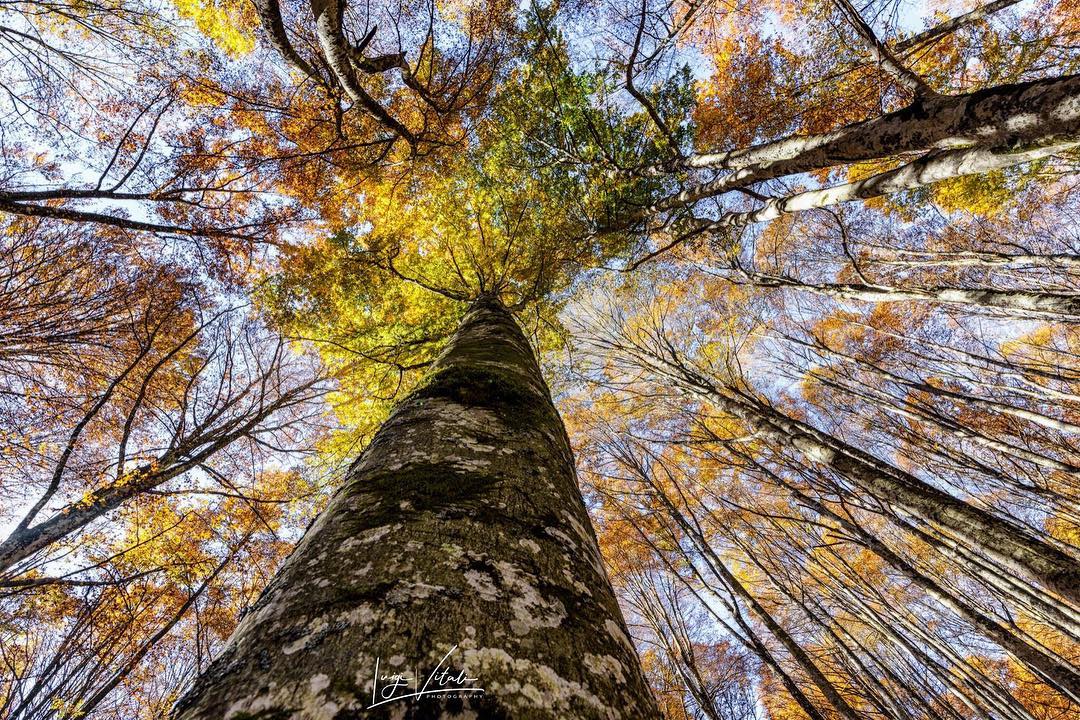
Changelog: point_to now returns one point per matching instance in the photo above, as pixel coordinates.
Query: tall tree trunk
(999, 116)
(1009, 544)
(1014, 303)
(461, 526)
(1006, 542)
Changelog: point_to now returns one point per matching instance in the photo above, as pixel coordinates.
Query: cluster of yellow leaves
(477, 18)
(986, 194)
(229, 23)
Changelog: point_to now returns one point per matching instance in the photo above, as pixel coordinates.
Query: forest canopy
(803, 279)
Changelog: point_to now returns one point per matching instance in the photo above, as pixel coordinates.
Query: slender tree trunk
(756, 645)
(1053, 670)
(999, 116)
(834, 697)
(961, 397)
(87, 706)
(459, 534)
(25, 541)
(667, 624)
(1010, 367)
(749, 639)
(922, 413)
(1007, 302)
(931, 168)
(734, 586)
(978, 258)
(952, 25)
(1006, 542)
(1049, 610)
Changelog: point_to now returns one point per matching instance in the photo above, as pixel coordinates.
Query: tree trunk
(930, 168)
(460, 540)
(1009, 544)
(1002, 116)
(719, 569)
(1053, 670)
(1014, 303)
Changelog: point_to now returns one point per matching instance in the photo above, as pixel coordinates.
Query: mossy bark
(460, 525)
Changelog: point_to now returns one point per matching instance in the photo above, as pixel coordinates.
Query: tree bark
(928, 169)
(460, 533)
(952, 25)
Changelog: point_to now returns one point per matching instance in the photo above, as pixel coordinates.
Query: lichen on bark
(460, 525)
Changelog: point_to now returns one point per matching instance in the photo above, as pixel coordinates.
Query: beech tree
(477, 457)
